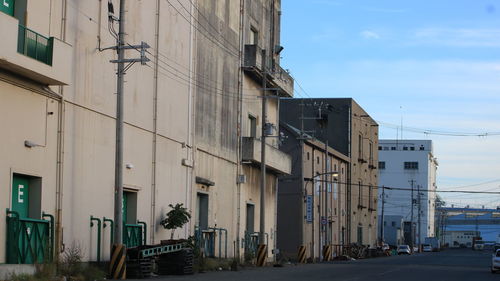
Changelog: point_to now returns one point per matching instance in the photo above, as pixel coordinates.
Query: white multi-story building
(408, 169)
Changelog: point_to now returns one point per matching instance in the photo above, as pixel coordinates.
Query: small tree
(176, 218)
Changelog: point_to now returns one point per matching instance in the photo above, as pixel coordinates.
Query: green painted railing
(28, 240)
(251, 242)
(35, 45)
(205, 240)
(133, 235)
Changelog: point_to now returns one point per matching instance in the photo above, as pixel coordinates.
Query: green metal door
(125, 207)
(20, 195)
(7, 6)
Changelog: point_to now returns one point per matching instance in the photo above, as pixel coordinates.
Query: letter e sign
(20, 194)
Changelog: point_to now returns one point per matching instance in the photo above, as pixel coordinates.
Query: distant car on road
(426, 248)
(404, 249)
(495, 261)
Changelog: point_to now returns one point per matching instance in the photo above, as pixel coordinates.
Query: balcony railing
(35, 45)
(277, 76)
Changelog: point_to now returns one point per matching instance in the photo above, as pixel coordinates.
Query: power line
(438, 132)
(409, 189)
(213, 40)
(209, 23)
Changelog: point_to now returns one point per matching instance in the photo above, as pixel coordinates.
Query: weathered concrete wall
(180, 118)
(364, 205)
(35, 118)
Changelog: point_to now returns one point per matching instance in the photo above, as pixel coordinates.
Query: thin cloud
(457, 37)
(368, 34)
(327, 2)
(383, 10)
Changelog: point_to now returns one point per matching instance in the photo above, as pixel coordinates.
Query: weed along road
(453, 265)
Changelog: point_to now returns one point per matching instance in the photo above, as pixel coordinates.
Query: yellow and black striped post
(327, 253)
(118, 265)
(261, 255)
(302, 254)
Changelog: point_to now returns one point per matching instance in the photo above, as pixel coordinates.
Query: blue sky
(433, 64)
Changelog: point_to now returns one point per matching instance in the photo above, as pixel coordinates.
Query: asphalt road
(453, 265)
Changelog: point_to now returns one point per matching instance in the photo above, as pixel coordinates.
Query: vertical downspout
(275, 232)
(313, 245)
(190, 138)
(349, 180)
(155, 126)
(60, 150)
(303, 191)
(239, 169)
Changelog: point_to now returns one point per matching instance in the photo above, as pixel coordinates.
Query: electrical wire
(438, 132)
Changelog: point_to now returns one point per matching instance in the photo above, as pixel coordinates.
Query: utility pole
(118, 234)
(382, 215)
(412, 233)
(117, 268)
(262, 251)
(419, 218)
(325, 186)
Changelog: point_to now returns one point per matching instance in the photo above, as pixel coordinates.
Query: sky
(433, 66)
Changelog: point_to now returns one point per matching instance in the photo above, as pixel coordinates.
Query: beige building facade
(311, 201)
(345, 126)
(188, 135)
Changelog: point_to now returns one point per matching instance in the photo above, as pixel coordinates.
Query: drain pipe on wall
(60, 151)
(190, 151)
(152, 223)
(239, 169)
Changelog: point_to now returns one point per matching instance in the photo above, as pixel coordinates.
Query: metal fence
(35, 45)
(210, 240)
(133, 235)
(29, 240)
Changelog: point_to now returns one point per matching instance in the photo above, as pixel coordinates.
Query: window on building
(381, 165)
(317, 159)
(371, 152)
(411, 165)
(393, 148)
(360, 194)
(370, 197)
(393, 224)
(252, 126)
(308, 156)
(422, 147)
(412, 148)
(254, 36)
(379, 148)
(405, 147)
(360, 146)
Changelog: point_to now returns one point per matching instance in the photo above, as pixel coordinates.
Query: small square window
(379, 148)
(405, 147)
(393, 148)
(412, 148)
(411, 165)
(381, 165)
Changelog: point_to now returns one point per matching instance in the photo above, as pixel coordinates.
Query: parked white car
(495, 261)
(404, 249)
(426, 248)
